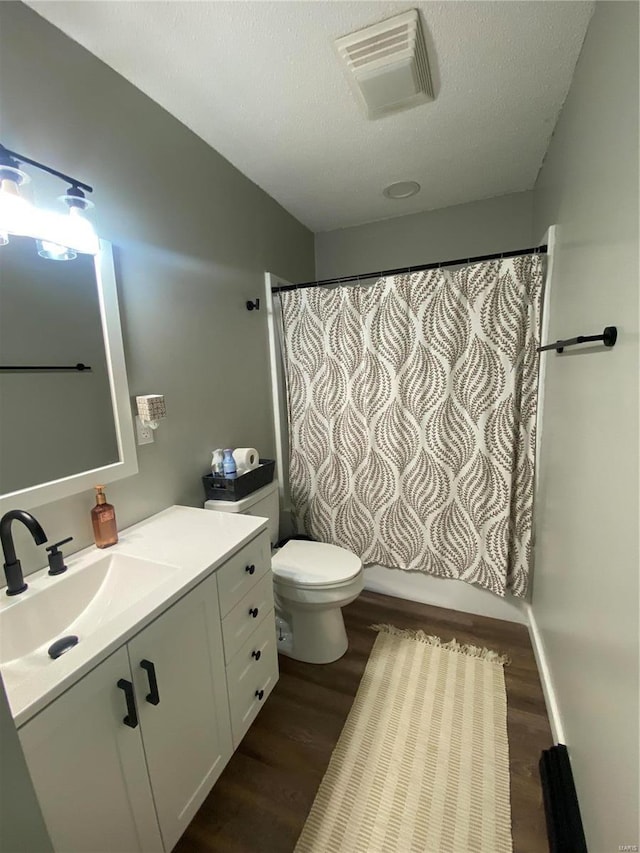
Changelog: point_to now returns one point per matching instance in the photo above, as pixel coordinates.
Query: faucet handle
(56, 558)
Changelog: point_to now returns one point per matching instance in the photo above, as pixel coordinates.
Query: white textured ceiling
(261, 83)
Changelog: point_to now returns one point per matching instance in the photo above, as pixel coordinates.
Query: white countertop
(194, 541)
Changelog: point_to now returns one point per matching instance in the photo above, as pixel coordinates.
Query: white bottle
(216, 463)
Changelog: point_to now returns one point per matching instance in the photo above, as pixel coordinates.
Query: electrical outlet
(144, 433)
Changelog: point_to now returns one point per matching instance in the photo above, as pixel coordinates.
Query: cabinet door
(88, 767)
(178, 670)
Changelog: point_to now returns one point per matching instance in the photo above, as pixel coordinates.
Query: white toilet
(312, 581)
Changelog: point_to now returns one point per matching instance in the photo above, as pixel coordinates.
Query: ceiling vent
(387, 65)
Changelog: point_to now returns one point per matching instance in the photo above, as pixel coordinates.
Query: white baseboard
(550, 698)
(444, 592)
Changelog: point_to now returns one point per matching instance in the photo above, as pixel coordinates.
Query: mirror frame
(46, 493)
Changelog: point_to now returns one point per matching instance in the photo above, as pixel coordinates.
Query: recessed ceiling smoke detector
(387, 64)
(401, 189)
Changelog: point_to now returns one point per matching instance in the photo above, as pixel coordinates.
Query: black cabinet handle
(131, 719)
(153, 697)
(253, 611)
(250, 569)
(259, 694)
(257, 655)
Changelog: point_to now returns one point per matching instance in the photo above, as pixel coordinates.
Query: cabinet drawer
(236, 577)
(252, 657)
(242, 621)
(250, 681)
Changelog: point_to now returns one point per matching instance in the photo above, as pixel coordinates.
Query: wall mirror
(61, 429)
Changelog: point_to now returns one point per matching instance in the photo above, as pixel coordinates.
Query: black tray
(218, 488)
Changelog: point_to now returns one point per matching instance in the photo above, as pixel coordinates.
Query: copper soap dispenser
(103, 519)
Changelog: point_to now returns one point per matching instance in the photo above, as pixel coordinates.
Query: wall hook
(251, 305)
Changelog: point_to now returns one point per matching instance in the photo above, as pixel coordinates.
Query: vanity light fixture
(58, 236)
(151, 409)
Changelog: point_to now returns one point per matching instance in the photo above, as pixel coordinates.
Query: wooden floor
(261, 801)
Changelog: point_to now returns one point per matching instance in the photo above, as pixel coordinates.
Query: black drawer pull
(259, 694)
(257, 655)
(253, 611)
(250, 569)
(131, 719)
(153, 697)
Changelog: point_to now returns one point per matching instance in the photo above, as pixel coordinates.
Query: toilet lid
(305, 563)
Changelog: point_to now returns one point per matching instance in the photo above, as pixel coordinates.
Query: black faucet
(12, 567)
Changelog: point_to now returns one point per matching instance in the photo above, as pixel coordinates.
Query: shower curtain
(412, 416)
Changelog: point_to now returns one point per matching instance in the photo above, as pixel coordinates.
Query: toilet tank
(264, 503)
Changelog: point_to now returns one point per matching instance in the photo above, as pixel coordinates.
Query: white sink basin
(81, 602)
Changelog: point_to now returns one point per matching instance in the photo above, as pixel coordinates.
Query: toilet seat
(314, 564)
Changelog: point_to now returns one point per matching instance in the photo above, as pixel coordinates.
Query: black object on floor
(564, 824)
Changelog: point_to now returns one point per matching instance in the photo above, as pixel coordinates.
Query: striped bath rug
(422, 764)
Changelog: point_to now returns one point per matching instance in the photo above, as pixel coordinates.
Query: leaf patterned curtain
(412, 416)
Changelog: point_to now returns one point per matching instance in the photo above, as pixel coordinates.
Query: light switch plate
(144, 433)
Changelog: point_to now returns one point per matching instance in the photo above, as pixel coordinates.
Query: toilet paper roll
(246, 459)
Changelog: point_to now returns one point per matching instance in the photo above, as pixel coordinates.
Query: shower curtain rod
(536, 250)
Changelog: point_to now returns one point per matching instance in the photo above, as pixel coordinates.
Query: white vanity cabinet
(124, 758)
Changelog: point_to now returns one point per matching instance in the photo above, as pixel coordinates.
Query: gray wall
(585, 592)
(478, 228)
(192, 240)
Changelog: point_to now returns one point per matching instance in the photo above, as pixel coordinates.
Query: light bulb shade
(79, 233)
(55, 252)
(76, 202)
(74, 232)
(12, 178)
(17, 216)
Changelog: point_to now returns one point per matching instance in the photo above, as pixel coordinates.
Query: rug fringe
(453, 645)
